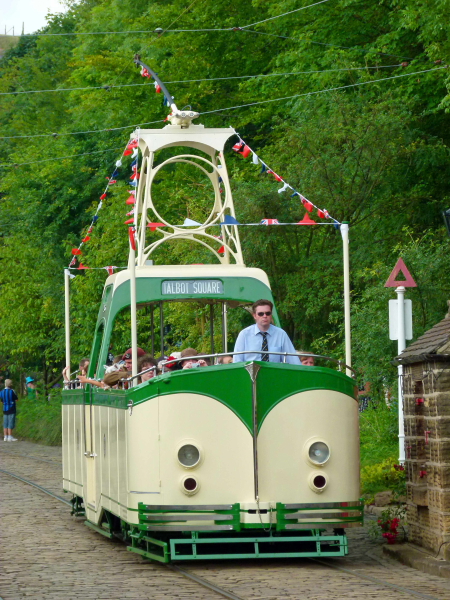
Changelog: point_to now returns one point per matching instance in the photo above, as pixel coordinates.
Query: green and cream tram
(249, 459)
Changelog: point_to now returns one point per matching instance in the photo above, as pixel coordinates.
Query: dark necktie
(264, 346)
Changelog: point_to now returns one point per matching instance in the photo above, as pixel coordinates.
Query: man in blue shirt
(263, 336)
(9, 398)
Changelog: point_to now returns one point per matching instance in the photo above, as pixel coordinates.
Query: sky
(31, 12)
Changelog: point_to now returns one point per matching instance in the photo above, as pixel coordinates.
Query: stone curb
(421, 560)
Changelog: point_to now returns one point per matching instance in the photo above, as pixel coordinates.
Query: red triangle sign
(408, 282)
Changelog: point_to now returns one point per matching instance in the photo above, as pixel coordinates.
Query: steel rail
(175, 569)
(398, 588)
(38, 487)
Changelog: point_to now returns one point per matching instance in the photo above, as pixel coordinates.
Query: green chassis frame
(156, 537)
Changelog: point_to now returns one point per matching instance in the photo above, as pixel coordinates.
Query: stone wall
(426, 400)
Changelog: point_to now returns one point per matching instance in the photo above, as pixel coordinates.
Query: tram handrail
(163, 364)
(341, 364)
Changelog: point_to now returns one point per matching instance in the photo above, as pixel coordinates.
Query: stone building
(426, 401)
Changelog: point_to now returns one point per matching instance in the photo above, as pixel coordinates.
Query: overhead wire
(234, 107)
(120, 85)
(33, 162)
(342, 87)
(56, 135)
(284, 14)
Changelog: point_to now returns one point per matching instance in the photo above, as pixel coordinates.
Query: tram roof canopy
(188, 272)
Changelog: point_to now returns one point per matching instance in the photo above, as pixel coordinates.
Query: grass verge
(39, 420)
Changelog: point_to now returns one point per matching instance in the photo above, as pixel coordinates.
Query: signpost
(400, 329)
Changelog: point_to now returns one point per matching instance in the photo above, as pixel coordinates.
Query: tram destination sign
(192, 287)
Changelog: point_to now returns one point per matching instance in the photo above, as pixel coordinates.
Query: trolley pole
(67, 315)
(346, 262)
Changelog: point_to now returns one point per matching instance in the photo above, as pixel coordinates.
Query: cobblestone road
(46, 554)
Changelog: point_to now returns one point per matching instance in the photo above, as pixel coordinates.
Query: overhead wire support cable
(284, 14)
(33, 162)
(342, 87)
(120, 85)
(56, 134)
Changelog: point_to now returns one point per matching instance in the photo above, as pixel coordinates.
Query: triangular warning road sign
(400, 266)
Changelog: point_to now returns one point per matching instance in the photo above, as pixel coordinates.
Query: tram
(243, 460)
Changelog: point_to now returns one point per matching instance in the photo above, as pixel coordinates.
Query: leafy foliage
(375, 155)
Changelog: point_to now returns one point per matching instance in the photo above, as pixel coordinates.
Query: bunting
(241, 147)
(130, 149)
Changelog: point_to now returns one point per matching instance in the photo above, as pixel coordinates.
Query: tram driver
(258, 340)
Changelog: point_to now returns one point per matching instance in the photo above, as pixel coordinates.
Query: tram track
(210, 585)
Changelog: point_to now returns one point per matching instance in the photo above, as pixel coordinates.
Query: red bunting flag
(129, 222)
(127, 152)
(277, 177)
(110, 269)
(153, 226)
(103, 196)
(135, 176)
(306, 203)
(90, 229)
(131, 231)
(320, 213)
(306, 220)
(81, 266)
(133, 143)
(221, 250)
(72, 262)
(242, 148)
(145, 73)
(112, 181)
(270, 222)
(157, 88)
(131, 200)
(86, 239)
(76, 251)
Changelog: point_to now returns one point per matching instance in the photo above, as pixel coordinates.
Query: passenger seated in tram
(225, 360)
(191, 362)
(127, 357)
(147, 362)
(82, 370)
(308, 360)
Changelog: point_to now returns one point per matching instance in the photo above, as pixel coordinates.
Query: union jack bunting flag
(270, 222)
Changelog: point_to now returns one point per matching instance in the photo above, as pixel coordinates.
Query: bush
(39, 420)
(386, 475)
(378, 427)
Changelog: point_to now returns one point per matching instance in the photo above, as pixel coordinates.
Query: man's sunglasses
(261, 314)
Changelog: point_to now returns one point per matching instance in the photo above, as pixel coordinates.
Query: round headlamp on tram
(188, 456)
(319, 453)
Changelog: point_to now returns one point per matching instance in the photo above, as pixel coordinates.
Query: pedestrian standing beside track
(9, 398)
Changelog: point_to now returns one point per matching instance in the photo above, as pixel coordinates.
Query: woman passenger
(146, 362)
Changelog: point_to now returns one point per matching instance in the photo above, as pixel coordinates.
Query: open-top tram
(243, 460)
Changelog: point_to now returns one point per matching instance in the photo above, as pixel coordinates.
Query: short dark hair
(261, 303)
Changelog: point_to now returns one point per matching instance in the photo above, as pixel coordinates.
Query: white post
(401, 346)
(346, 261)
(132, 267)
(67, 315)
